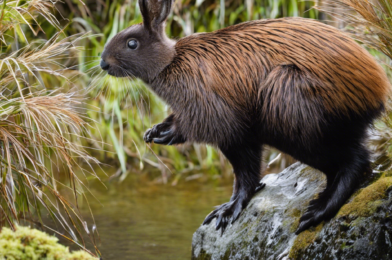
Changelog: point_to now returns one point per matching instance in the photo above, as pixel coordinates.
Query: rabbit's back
(291, 69)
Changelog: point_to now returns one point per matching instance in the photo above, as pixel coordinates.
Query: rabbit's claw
(312, 217)
(260, 187)
(163, 133)
(165, 137)
(225, 214)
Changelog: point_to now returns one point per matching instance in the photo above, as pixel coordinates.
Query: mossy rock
(304, 240)
(31, 244)
(265, 230)
(367, 200)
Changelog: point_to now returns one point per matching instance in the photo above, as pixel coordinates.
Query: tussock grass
(42, 122)
(369, 21)
(15, 14)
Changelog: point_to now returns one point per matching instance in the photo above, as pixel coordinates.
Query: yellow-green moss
(26, 243)
(294, 225)
(367, 200)
(303, 240)
(296, 214)
(388, 173)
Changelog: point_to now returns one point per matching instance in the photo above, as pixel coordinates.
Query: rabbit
(295, 84)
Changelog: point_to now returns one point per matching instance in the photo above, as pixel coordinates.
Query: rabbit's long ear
(155, 13)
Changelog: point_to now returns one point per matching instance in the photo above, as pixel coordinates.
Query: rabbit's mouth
(119, 73)
(113, 70)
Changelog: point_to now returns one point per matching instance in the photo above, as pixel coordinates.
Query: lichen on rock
(265, 230)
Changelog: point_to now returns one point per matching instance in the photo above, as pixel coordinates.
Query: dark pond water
(140, 220)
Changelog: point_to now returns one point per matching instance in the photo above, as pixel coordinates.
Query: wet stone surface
(359, 239)
(265, 230)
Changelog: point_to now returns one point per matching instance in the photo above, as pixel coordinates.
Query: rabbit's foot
(163, 133)
(226, 213)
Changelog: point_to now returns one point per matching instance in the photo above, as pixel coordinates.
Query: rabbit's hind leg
(340, 186)
(246, 162)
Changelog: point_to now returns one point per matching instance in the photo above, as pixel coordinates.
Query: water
(140, 220)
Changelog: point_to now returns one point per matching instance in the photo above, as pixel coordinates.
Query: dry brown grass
(42, 124)
(369, 21)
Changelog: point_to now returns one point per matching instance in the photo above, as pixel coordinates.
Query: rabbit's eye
(132, 44)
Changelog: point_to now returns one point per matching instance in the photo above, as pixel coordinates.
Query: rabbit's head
(142, 50)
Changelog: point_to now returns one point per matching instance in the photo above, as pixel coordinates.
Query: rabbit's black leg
(164, 133)
(340, 186)
(246, 162)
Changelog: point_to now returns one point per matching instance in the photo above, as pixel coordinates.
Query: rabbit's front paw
(149, 135)
(163, 134)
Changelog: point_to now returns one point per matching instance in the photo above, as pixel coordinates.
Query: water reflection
(140, 220)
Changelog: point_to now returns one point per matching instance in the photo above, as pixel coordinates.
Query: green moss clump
(296, 214)
(26, 243)
(294, 225)
(366, 202)
(388, 174)
(303, 240)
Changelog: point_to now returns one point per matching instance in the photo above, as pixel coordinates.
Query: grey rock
(265, 229)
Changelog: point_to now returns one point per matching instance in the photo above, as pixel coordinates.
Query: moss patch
(388, 174)
(294, 225)
(296, 214)
(26, 243)
(366, 202)
(203, 255)
(303, 240)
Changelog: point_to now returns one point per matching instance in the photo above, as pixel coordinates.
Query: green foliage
(30, 244)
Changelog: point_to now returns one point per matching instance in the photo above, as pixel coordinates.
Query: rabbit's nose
(104, 65)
